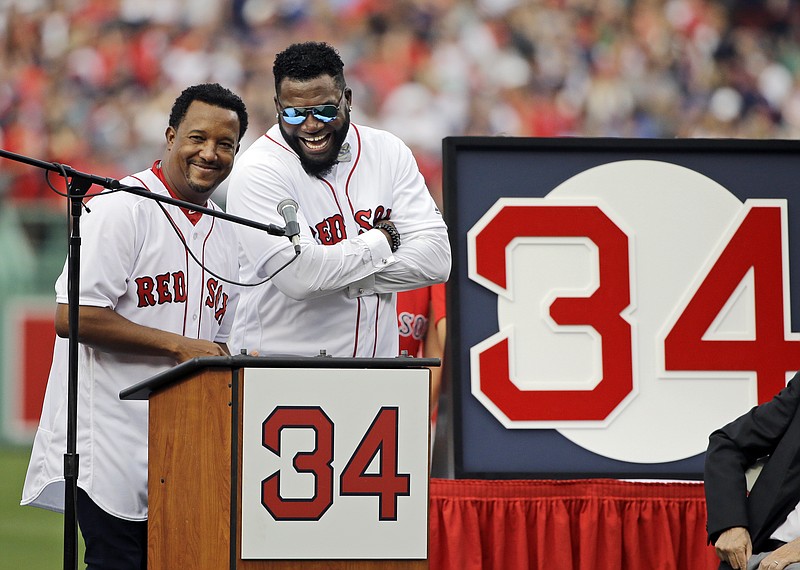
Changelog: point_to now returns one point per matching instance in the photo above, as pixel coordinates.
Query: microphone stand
(77, 187)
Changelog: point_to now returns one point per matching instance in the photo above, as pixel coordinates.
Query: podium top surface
(143, 389)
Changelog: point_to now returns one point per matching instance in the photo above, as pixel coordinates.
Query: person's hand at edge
(734, 547)
(781, 557)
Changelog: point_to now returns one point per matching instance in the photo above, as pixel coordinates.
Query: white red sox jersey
(133, 262)
(339, 294)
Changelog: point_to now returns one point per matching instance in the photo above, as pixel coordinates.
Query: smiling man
(195, 166)
(145, 305)
(317, 149)
(369, 227)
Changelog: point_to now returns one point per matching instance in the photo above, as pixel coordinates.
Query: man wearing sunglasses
(369, 227)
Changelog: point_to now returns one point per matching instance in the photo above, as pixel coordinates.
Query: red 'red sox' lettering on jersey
(362, 217)
(217, 299)
(164, 288)
(171, 288)
(332, 230)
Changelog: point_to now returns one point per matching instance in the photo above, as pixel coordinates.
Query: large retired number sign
(637, 295)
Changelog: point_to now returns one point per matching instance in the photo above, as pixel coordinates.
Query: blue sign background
(478, 171)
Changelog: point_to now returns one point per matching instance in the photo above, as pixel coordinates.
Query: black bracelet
(392, 231)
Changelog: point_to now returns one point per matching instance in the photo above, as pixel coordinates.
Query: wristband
(394, 235)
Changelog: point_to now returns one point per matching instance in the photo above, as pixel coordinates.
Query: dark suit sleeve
(733, 448)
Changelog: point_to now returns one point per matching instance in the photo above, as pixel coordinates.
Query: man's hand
(782, 557)
(104, 329)
(735, 547)
(192, 348)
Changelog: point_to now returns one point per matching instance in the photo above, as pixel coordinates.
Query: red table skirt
(593, 524)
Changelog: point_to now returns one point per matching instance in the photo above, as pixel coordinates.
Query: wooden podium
(197, 465)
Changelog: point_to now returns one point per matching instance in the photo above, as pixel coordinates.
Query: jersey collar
(193, 215)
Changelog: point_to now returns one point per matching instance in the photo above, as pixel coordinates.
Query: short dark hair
(213, 94)
(306, 61)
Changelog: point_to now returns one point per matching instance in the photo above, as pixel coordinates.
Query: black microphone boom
(63, 170)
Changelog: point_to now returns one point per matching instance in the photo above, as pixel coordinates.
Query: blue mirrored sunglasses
(323, 113)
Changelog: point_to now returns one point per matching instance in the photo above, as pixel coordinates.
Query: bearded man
(368, 225)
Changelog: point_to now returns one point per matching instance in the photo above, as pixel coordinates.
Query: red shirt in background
(414, 309)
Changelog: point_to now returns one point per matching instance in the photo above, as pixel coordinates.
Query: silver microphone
(288, 210)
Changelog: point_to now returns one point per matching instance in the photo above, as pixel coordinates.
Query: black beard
(319, 169)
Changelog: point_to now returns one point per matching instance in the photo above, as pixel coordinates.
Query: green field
(30, 538)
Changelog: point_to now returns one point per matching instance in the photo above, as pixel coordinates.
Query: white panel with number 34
(335, 464)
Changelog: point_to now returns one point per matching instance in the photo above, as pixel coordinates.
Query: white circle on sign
(676, 218)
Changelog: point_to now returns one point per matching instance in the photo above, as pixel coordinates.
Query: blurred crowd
(88, 83)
